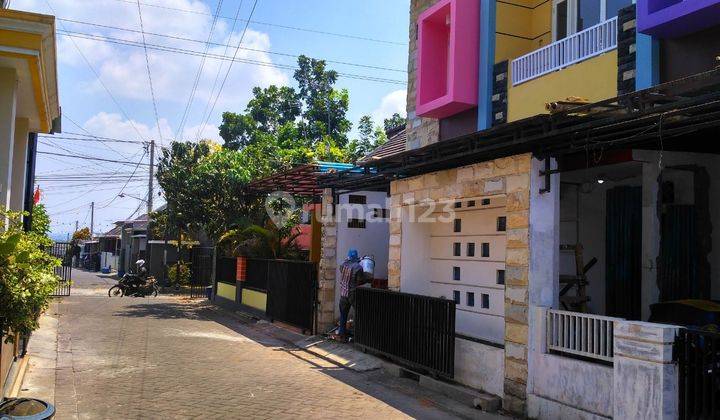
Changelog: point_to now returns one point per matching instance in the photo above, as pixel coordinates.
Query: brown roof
(394, 145)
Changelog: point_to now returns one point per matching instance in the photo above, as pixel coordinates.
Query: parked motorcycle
(135, 284)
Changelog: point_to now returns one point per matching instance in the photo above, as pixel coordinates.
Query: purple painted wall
(675, 18)
(448, 48)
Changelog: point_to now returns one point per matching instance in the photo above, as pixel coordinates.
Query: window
(458, 204)
(588, 14)
(470, 299)
(485, 304)
(500, 278)
(485, 250)
(501, 224)
(471, 249)
(485, 202)
(457, 226)
(356, 224)
(572, 16)
(471, 203)
(456, 296)
(380, 213)
(456, 273)
(456, 249)
(357, 199)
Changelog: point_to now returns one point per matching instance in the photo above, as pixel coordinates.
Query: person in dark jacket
(351, 276)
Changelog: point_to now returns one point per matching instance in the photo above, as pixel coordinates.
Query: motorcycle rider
(138, 280)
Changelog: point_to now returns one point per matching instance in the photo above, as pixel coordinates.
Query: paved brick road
(173, 358)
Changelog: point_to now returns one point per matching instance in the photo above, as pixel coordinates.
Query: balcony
(575, 48)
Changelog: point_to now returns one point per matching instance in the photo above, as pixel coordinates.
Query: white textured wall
(373, 240)
(479, 366)
(581, 385)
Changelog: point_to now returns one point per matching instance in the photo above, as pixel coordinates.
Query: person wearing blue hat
(351, 276)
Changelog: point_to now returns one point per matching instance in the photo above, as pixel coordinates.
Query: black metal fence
(257, 274)
(415, 330)
(63, 251)
(226, 270)
(291, 291)
(698, 354)
(201, 270)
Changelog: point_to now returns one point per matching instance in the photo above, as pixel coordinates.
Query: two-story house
(574, 140)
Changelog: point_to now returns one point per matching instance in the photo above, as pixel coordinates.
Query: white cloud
(393, 102)
(122, 68)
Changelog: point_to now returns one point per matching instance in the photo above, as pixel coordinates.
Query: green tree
(394, 122)
(175, 175)
(81, 235)
(274, 111)
(370, 136)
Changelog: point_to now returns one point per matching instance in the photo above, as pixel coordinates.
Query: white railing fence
(580, 334)
(580, 46)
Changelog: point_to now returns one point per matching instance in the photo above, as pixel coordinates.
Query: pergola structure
(301, 180)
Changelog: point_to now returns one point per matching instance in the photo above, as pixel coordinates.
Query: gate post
(328, 264)
(646, 378)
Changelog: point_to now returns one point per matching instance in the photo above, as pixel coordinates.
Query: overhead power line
(198, 74)
(97, 76)
(220, 44)
(90, 139)
(275, 25)
(93, 158)
(147, 65)
(107, 146)
(222, 85)
(120, 41)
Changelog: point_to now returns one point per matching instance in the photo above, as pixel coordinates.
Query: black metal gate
(63, 251)
(201, 270)
(291, 292)
(698, 355)
(415, 330)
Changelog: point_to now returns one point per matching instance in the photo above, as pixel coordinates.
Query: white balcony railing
(580, 334)
(585, 44)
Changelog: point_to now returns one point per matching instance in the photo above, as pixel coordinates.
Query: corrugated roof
(394, 145)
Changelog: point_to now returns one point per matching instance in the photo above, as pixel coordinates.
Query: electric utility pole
(76, 226)
(151, 178)
(92, 218)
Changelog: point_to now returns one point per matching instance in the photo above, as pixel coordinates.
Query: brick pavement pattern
(170, 358)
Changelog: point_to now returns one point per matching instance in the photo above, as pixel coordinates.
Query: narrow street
(170, 357)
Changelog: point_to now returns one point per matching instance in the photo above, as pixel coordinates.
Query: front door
(623, 250)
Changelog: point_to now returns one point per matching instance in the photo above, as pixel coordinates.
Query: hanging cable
(147, 65)
(222, 85)
(97, 75)
(191, 98)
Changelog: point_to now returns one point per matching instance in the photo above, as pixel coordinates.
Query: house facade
(28, 106)
(558, 185)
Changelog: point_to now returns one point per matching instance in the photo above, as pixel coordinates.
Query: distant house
(133, 242)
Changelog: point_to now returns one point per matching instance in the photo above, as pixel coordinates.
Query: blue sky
(122, 71)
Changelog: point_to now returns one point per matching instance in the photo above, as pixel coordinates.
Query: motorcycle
(139, 285)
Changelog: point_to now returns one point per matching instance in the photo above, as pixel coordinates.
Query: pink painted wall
(448, 48)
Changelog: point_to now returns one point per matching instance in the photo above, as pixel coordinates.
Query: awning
(300, 180)
(655, 118)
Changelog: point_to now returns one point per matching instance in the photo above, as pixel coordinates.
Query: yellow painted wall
(521, 26)
(254, 299)
(226, 291)
(594, 79)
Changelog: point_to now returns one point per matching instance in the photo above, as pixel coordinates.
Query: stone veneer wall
(506, 175)
(327, 265)
(420, 131)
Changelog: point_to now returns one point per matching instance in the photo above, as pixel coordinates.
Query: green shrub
(184, 273)
(27, 278)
